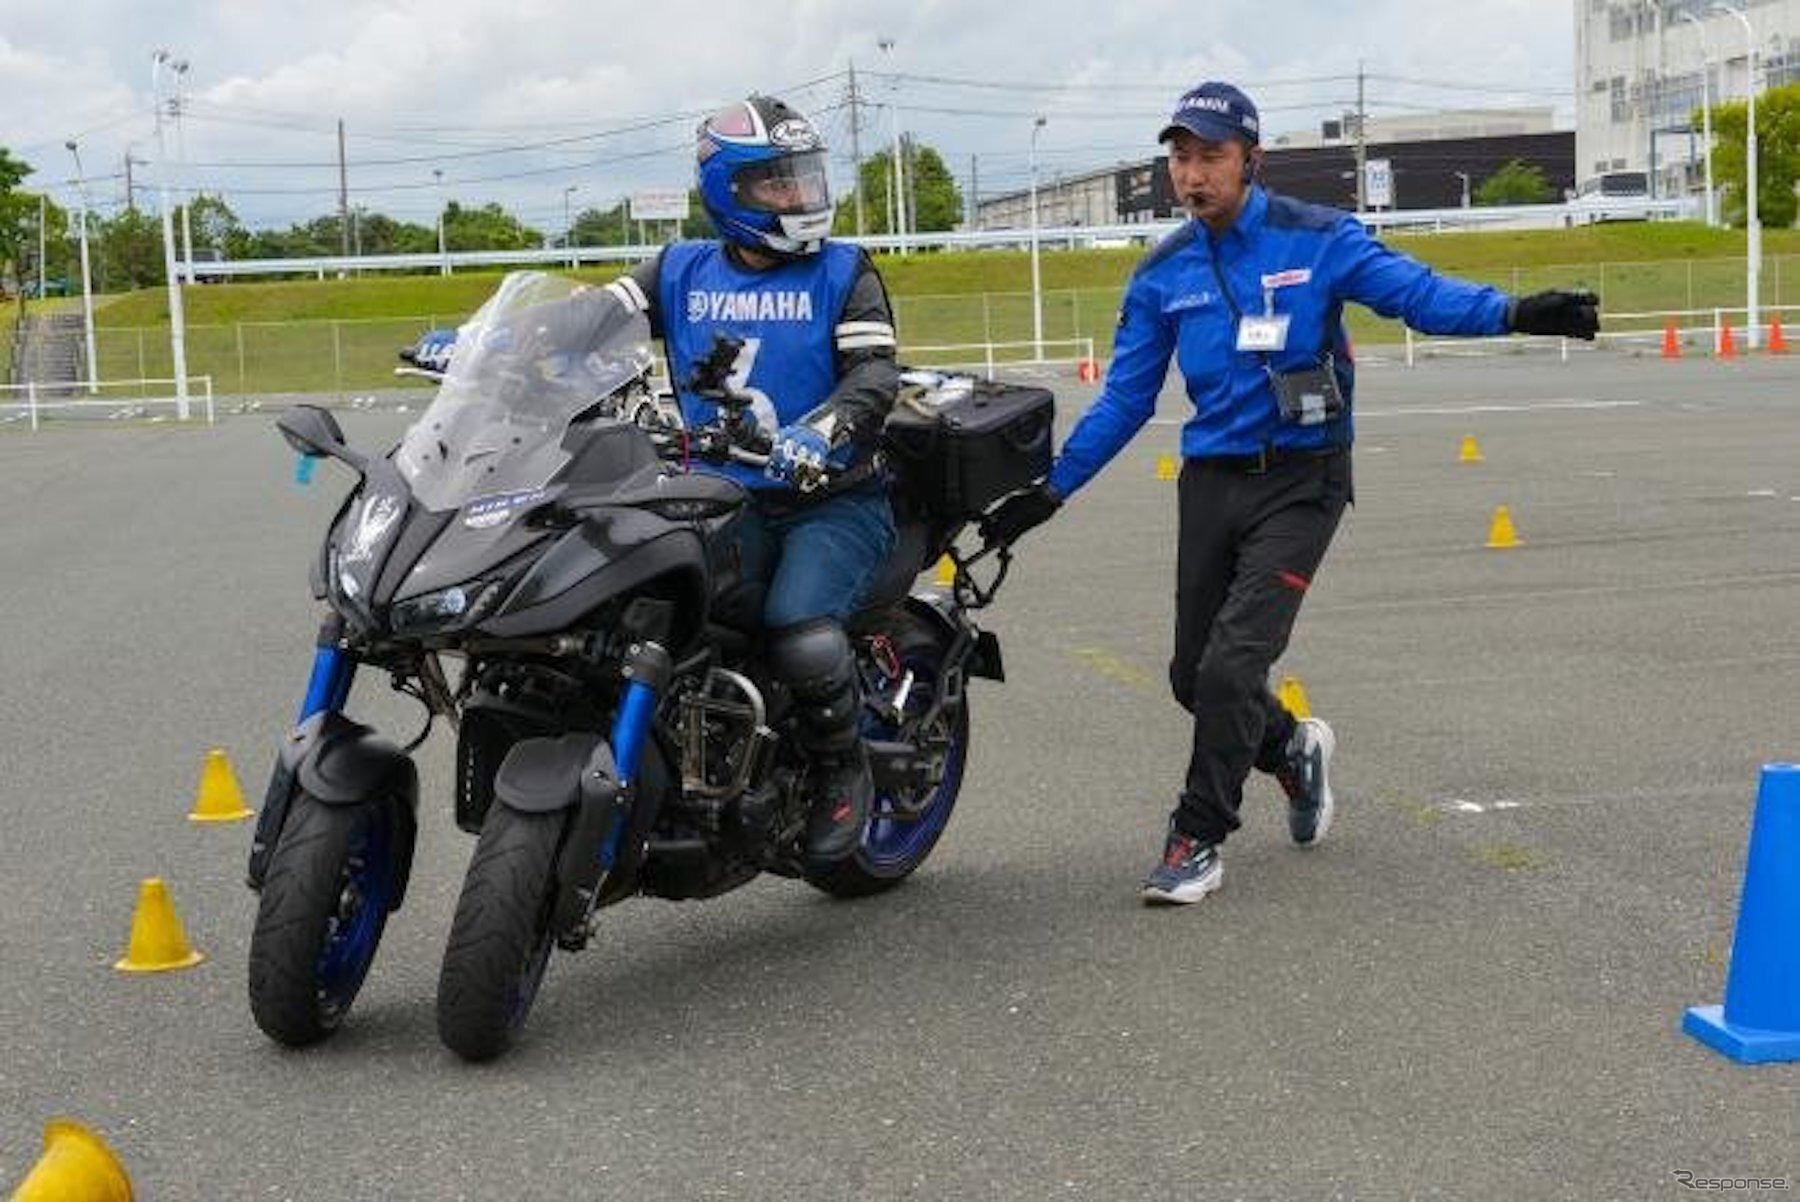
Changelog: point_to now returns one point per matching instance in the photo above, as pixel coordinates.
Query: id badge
(1265, 335)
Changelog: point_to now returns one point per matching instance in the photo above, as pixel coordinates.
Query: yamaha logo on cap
(1216, 112)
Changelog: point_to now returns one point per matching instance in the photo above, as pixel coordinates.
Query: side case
(961, 446)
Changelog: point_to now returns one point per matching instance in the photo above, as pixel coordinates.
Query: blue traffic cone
(303, 470)
(1760, 1020)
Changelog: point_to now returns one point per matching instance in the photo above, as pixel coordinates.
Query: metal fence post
(1409, 345)
(337, 358)
(987, 324)
(243, 379)
(143, 372)
(31, 402)
(1075, 311)
(1690, 284)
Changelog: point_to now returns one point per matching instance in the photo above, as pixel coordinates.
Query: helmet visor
(791, 184)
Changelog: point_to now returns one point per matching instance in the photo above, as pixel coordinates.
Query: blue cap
(1216, 112)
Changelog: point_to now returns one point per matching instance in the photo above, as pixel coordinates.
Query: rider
(818, 362)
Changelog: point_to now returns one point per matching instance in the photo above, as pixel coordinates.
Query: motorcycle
(555, 578)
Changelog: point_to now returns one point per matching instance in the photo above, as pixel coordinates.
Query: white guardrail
(1712, 324)
(1436, 220)
(131, 399)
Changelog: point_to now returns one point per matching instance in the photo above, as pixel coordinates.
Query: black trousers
(1250, 543)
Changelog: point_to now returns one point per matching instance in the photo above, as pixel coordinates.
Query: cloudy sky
(517, 102)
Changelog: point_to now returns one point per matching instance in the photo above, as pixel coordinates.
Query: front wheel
(903, 828)
(319, 919)
(500, 938)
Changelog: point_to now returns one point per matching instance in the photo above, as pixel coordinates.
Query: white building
(1638, 71)
(1444, 124)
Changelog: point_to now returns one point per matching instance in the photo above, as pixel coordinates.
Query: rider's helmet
(761, 174)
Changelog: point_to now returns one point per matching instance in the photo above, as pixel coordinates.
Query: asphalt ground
(1547, 762)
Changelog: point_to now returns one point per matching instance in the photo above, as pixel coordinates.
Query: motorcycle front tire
(500, 939)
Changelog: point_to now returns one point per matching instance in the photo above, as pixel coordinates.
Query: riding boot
(814, 659)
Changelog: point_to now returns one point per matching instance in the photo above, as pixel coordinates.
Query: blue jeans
(818, 561)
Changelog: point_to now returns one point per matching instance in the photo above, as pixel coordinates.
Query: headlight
(445, 607)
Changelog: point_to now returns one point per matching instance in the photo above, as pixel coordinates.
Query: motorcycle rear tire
(320, 917)
(890, 852)
(500, 938)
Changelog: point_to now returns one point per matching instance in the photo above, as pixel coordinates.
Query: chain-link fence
(350, 358)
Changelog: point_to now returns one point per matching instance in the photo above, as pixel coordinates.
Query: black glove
(1018, 512)
(1570, 314)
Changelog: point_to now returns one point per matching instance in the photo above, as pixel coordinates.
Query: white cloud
(423, 78)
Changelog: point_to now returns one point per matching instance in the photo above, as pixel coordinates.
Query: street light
(437, 173)
(1706, 61)
(87, 288)
(1037, 290)
(1753, 251)
(187, 203)
(568, 225)
(177, 319)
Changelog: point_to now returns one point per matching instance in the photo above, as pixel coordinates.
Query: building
(1639, 66)
(1431, 172)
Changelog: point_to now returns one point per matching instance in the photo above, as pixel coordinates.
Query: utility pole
(343, 195)
(856, 192)
(177, 320)
(1362, 144)
(43, 247)
(130, 196)
(974, 217)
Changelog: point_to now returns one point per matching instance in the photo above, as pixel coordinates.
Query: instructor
(1248, 297)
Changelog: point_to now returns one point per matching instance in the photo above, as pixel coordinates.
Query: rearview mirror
(311, 430)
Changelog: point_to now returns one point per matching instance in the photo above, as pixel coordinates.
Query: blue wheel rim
(893, 844)
(365, 892)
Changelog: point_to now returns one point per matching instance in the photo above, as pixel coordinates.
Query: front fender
(984, 653)
(339, 762)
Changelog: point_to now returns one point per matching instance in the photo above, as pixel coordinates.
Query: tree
(488, 228)
(18, 218)
(934, 200)
(130, 250)
(1515, 183)
(1777, 155)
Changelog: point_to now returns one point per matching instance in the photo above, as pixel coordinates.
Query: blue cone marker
(303, 470)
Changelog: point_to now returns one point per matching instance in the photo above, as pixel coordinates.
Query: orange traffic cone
(1671, 342)
(1727, 345)
(1777, 344)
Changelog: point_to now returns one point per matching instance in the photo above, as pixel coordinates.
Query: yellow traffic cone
(1502, 535)
(158, 944)
(219, 799)
(1471, 450)
(1292, 695)
(1166, 468)
(946, 572)
(76, 1166)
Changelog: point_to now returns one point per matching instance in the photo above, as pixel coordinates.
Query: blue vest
(785, 316)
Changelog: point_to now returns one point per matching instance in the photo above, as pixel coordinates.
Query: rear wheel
(320, 916)
(904, 826)
(500, 938)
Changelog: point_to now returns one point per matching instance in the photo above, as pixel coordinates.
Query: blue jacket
(1299, 259)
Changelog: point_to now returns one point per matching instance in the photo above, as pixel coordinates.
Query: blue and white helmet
(760, 168)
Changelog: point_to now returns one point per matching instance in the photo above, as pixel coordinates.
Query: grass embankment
(341, 334)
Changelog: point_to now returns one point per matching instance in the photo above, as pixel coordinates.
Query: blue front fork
(647, 671)
(333, 672)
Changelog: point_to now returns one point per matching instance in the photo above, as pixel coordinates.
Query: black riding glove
(1570, 314)
(1019, 512)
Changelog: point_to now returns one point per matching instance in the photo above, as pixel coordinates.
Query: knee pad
(815, 660)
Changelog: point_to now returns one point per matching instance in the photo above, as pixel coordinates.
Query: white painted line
(1762, 492)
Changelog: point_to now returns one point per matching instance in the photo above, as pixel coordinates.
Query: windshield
(540, 351)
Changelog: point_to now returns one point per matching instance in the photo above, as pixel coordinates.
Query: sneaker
(1189, 871)
(1306, 779)
(841, 803)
